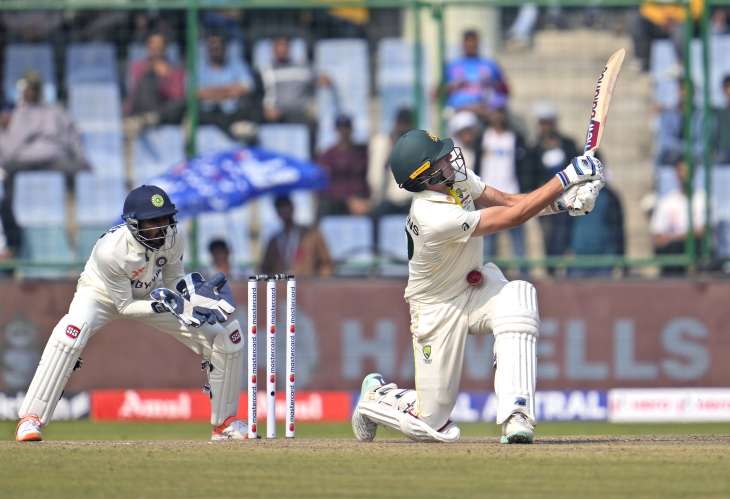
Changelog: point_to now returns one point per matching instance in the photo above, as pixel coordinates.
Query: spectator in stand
(289, 87)
(346, 164)
(551, 152)
(35, 136)
(503, 167)
(722, 126)
(465, 130)
(670, 223)
(670, 130)
(599, 233)
(296, 249)
(157, 89)
(226, 90)
(387, 198)
(220, 260)
(657, 20)
(472, 80)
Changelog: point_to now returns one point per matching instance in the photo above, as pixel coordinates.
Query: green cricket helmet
(414, 161)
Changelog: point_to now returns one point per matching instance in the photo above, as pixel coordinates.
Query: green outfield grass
(83, 459)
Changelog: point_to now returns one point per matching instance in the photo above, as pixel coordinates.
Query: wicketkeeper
(451, 293)
(141, 255)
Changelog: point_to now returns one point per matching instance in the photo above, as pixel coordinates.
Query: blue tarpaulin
(223, 180)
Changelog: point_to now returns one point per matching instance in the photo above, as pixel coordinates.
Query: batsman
(452, 294)
(135, 271)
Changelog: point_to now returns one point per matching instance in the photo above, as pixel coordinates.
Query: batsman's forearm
(538, 200)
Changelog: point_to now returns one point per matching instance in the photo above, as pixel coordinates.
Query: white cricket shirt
(123, 272)
(441, 249)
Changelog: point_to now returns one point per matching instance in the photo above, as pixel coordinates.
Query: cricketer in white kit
(135, 271)
(451, 293)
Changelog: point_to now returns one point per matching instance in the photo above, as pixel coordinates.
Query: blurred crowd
(237, 97)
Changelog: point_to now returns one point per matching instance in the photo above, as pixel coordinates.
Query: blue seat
(263, 52)
(155, 151)
(23, 57)
(96, 107)
(393, 245)
(211, 139)
(99, 200)
(293, 140)
(94, 62)
(345, 62)
(394, 76)
(40, 209)
(288, 139)
(232, 227)
(349, 240)
(719, 68)
(105, 152)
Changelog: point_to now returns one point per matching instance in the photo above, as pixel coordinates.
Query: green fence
(430, 25)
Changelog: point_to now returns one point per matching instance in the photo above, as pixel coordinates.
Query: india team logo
(433, 137)
(157, 201)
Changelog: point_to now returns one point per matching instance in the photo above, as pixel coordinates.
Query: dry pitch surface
(569, 460)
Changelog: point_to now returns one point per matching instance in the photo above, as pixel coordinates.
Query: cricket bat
(599, 110)
(601, 100)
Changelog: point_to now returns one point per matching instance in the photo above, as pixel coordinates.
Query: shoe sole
(30, 437)
(520, 437)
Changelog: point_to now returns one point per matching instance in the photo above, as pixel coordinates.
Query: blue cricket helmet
(148, 202)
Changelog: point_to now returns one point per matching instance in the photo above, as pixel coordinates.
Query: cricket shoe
(363, 428)
(29, 429)
(517, 430)
(230, 429)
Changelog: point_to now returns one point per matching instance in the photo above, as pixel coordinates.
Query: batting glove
(581, 169)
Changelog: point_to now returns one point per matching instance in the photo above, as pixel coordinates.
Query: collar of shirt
(436, 197)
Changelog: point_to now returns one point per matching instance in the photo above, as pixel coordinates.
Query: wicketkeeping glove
(178, 306)
(213, 297)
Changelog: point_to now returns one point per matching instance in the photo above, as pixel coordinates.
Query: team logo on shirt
(161, 261)
(465, 226)
(157, 200)
(137, 273)
(427, 354)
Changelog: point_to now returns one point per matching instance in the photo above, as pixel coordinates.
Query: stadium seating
(91, 63)
(104, 150)
(349, 239)
(156, 150)
(664, 68)
(23, 57)
(393, 245)
(263, 53)
(211, 139)
(99, 202)
(666, 181)
(95, 107)
(345, 62)
(719, 68)
(293, 140)
(231, 226)
(40, 209)
(394, 76)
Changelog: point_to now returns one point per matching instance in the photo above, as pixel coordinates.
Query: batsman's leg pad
(59, 358)
(515, 326)
(392, 406)
(226, 376)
